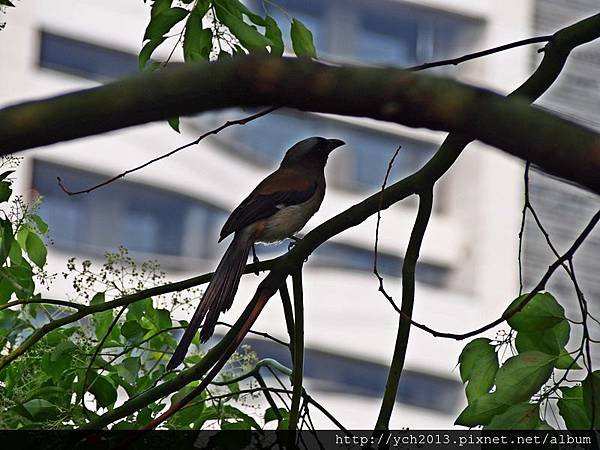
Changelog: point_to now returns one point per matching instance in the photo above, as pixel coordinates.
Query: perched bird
(277, 208)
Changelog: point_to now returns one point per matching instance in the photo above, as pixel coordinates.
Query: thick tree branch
(245, 120)
(298, 349)
(415, 100)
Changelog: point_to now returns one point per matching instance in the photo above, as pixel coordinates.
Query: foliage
(516, 394)
(81, 370)
(78, 371)
(211, 29)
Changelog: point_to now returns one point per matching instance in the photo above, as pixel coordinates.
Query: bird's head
(311, 150)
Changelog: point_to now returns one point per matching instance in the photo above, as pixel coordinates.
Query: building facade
(173, 210)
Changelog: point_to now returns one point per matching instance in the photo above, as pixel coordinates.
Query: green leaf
(6, 289)
(197, 41)
(572, 410)
(273, 33)
(104, 390)
(125, 425)
(102, 321)
(550, 340)
(541, 312)
(131, 329)
(163, 319)
(163, 21)
(41, 225)
(40, 409)
(159, 6)
(98, 298)
(523, 416)
(174, 123)
(5, 191)
(468, 359)
(22, 278)
(22, 234)
(522, 376)
(63, 350)
(238, 9)
(7, 3)
(55, 363)
(481, 411)
(15, 253)
(270, 414)
(36, 249)
(302, 40)
(229, 411)
(478, 365)
(247, 35)
(147, 50)
(6, 238)
(129, 369)
(591, 396)
(189, 415)
(566, 362)
(136, 310)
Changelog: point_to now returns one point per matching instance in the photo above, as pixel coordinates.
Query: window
(337, 373)
(351, 257)
(376, 31)
(265, 141)
(142, 218)
(405, 36)
(385, 39)
(84, 59)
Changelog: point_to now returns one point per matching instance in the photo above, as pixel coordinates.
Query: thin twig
(376, 245)
(539, 287)
(259, 333)
(522, 228)
(227, 124)
(471, 56)
(67, 304)
(243, 121)
(84, 384)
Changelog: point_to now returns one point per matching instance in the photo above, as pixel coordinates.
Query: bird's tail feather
(218, 296)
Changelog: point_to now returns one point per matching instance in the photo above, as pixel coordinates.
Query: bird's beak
(335, 143)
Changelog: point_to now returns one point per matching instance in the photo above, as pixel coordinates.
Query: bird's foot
(293, 241)
(255, 260)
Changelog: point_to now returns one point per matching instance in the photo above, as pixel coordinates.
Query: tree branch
(554, 59)
(245, 120)
(539, 287)
(408, 298)
(412, 99)
(85, 311)
(480, 54)
(298, 349)
(217, 130)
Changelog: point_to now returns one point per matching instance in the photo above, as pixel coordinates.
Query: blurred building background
(172, 211)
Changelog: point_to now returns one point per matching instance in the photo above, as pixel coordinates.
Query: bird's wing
(277, 191)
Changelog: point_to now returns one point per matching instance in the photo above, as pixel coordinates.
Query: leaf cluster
(510, 395)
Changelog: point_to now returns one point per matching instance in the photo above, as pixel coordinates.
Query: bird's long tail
(218, 297)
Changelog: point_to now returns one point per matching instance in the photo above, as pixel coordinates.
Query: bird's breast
(288, 220)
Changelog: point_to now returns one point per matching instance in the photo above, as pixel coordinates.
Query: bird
(279, 206)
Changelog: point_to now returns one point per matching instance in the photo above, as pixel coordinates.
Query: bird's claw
(255, 260)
